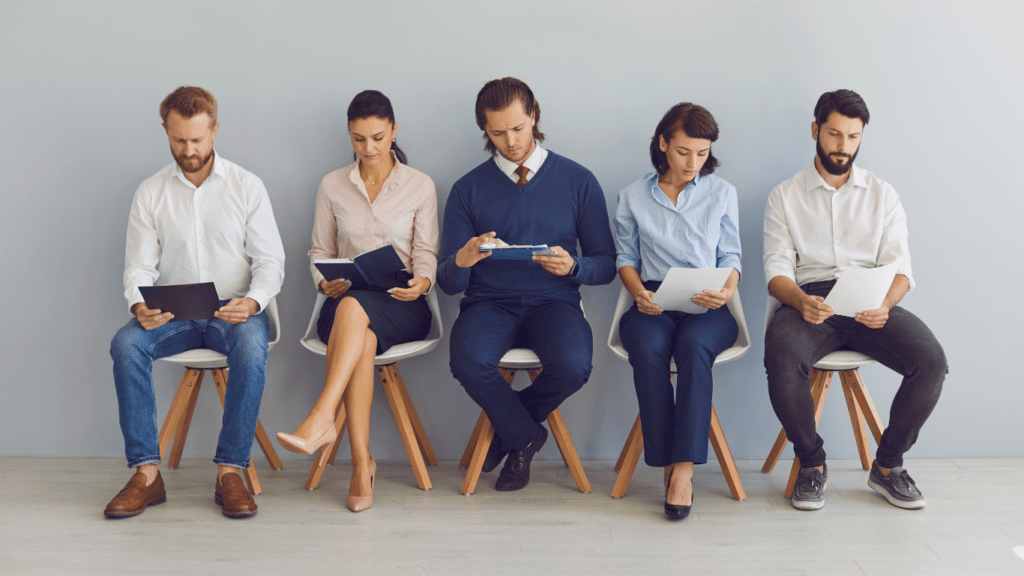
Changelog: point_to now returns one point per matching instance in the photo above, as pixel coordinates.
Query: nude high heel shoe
(300, 445)
(360, 503)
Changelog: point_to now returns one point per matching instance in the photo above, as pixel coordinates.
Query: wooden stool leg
(628, 459)
(476, 463)
(325, 455)
(220, 381)
(467, 455)
(187, 390)
(565, 445)
(776, 453)
(388, 379)
(414, 418)
(860, 433)
(629, 443)
(820, 380)
(860, 392)
(725, 459)
(268, 449)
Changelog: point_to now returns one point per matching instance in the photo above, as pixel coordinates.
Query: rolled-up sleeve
(263, 246)
(779, 248)
(728, 252)
(425, 235)
(894, 246)
(142, 248)
(627, 234)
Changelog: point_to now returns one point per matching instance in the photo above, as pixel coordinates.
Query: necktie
(522, 170)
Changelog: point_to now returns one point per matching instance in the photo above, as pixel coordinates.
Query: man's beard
(834, 168)
(191, 164)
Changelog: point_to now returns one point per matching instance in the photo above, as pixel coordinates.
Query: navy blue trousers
(555, 330)
(675, 429)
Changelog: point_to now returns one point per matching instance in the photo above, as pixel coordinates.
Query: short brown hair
(500, 94)
(189, 101)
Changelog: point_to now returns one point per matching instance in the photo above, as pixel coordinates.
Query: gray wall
(79, 89)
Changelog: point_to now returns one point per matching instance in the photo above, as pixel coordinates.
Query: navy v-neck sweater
(562, 205)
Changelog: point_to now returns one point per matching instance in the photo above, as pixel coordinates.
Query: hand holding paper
(861, 289)
(681, 285)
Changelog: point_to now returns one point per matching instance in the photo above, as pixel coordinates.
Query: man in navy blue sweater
(523, 195)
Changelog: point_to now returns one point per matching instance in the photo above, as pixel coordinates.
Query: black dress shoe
(494, 455)
(515, 475)
(675, 512)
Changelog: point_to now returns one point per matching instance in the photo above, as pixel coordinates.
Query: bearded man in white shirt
(200, 219)
(831, 216)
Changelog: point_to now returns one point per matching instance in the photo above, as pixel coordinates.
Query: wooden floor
(51, 522)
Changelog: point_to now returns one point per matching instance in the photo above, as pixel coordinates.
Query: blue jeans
(555, 330)
(133, 350)
(675, 429)
(905, 345)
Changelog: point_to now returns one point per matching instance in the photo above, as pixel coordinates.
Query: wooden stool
(630, 455)
(476, 450)
(858, 401)
(179, 418)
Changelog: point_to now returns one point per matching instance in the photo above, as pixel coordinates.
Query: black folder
(185, 301)
(363, 269)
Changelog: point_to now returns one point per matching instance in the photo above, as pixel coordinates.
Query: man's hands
(417, 287)
(814, 310)
(237, 310)
(150, 319)
(560, 264)
(873, 318)
(335, 288)
(470, 254)
(645, 304)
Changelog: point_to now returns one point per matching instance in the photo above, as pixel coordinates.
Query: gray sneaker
(897, 487)
(809, 491)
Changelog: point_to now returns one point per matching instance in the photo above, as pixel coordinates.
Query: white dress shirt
(222, 232)
(813, 231)
(532, 163)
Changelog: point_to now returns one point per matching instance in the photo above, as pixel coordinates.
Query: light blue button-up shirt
(701, 231)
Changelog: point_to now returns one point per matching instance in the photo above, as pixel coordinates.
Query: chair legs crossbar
(476, 450)
(630, 456)
(179, 418)
(417, 446)
(860, 406)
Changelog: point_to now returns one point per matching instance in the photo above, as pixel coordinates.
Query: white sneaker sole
(915, 505)
(807, 504)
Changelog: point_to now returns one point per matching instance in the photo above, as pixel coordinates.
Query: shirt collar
(659, 194)
(532, 163)
(218, 169)
(396, 171)
(814, 180)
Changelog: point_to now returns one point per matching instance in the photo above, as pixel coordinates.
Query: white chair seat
(206, 359)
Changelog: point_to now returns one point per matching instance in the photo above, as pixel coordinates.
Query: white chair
(630, 455)
(179, 416)
(473, 457)
(858, 401)
(409, 427)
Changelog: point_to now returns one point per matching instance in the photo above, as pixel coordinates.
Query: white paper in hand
(682, 284)
(861, 289)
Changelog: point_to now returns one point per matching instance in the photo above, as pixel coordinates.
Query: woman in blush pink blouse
(376, 201)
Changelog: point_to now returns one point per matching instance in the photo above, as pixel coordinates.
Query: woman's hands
(645, 304)
(417, 287)
(335, 288)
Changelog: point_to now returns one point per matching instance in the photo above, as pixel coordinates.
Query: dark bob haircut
(846, 102)
(373, 104)
(500, 94)
(692, 119)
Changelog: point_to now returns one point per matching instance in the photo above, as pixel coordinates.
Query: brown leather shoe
(233, 497)
(135, 496)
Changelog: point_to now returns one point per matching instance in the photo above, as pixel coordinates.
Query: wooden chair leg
(467, 454)
(725, 459)
(629, 442)
(325, 455)
(388, 379)
(782, 440)
(476, 463)
(860, 433)
(628, 459)
(820, 380)
(187, 389)
(568, 450)
(860, 392)
(268, 448)
(414, 418)
(220, 381)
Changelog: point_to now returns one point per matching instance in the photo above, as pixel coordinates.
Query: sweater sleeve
(597, 265)
(458, 229)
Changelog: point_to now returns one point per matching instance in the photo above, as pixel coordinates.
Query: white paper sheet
(681, 284)
(861, 289)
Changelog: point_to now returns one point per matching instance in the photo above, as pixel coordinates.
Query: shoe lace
(903, 481)
(517, 459)
(810, 483)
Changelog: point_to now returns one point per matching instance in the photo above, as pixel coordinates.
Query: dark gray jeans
(904, 344)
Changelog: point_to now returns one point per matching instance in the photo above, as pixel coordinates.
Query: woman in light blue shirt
(680, 216)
